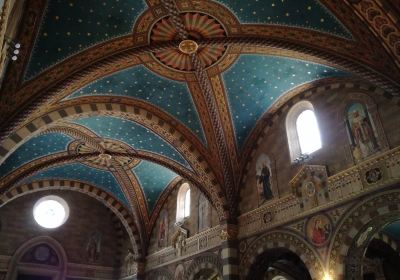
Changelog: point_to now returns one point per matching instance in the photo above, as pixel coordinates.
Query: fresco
(77, 171)
(319, 230)
(363, 136)
(133, 134)
(71, 26)
(140, 83)
(34, 148)
(309, 14)
(153, 178)
(255, 82)
(162, 234)
(263, 178)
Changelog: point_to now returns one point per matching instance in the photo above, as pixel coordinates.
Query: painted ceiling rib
(70, 32)
(208, 95)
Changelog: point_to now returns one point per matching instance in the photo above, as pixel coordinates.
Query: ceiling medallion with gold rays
(199, 26)
(105, 159)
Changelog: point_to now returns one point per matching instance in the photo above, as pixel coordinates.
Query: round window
(51, 211)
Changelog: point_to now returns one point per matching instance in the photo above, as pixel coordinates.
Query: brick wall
(87, 215)
(335, 152)
(191, 224)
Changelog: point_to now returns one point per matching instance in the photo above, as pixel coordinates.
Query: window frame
(291, 128)
(183, 202)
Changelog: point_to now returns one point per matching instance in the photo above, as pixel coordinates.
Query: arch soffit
(206, 261)
(178, 136)
(99, 68)
(352, 223)
(142, 26)
(283, 239)
(78, 132)
(65, 77)
(216, 198)
(162, 128)
(105, 198)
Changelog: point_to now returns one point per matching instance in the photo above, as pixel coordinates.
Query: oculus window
(51, 212)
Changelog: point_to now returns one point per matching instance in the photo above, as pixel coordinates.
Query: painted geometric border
(370, 210)
(207, 261)
(282, 239)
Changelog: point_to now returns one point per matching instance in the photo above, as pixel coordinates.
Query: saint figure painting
(362, 132)
(319, 230)
(163, 229)
(263, 177)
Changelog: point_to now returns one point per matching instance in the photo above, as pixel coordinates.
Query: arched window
(308, 132)
(183, 202)
(302, 130)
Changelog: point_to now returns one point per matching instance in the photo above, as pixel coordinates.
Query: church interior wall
(283, 214)
(335, 154)
(191, 223)
(88, 217)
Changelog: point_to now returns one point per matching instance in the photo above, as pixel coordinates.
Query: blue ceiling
(34, 148)
(139, 82)
(70, 26)
(154, 179)
(133, 134)
(393, 230)
(308, 14)
(254, 82)
(77, 171)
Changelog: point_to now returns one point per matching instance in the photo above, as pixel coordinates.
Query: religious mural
(318, 230)
(93, 247)
(204, 213)
(163, 230)
(179, 272)
(129, 263)
(362, 132)
(179, 241)
(310, 186)
(263, 177)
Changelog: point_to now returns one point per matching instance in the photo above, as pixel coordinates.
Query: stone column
(141, 273)
(229, 254)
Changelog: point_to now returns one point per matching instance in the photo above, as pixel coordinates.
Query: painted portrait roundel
(319, 230)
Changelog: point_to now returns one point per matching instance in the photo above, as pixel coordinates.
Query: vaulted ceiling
(103, 95)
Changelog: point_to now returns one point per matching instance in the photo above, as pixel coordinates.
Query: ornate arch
(360, 224)
(160, 274)
(141, 115)
(105, 198)
(52, 243)
(388, 240)
(207, 261)
(121, 53)
(287, 240)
